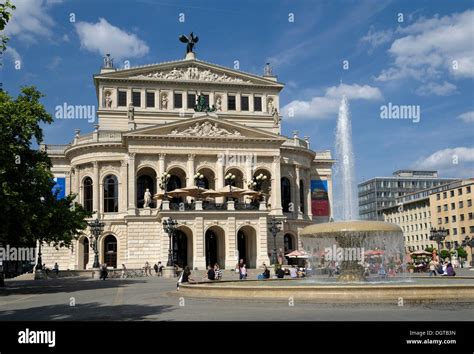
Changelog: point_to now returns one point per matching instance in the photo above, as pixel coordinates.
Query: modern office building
(380, 192)
(448, 206)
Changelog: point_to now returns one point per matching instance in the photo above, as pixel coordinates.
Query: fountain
(346, 244)
(368, 255)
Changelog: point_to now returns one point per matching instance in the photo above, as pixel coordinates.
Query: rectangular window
(231, 103)
(460, 191)
(136, 99)
(468, 189)
(461, 217)
(150, 99)
(461, 204)
(463, 230)
(453, 218)
(446, 220)
(191, 100)
(469, 203)
(455, 231)
(451, 193)
(439, 208)
(471, 228)
(122, 99)
(178, 100)
(244, 103)
(470, 216)
(453, 206)
(206, 100)
(445, 195)
(438, 196)
(257, 104)
(445, 207)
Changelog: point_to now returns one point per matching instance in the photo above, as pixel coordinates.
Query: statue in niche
(131, 112)
(147, 199)
(108, 99)
(164, 101)
(219, 103)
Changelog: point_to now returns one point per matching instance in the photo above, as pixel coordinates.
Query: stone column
(298, 213)
(190, 170)
(78, 183)
(123, 187)
(220, 176)
(199, 258)
(248, 171)
(161, 167)
(95, 185)
(131, 184)
(276, 187)
(68, 182)
(309, 210)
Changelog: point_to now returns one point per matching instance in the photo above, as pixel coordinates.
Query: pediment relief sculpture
(206, 129)
(192, 73)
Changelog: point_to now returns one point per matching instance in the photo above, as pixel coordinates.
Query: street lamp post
(438, 235)
(39, 264)
(274, 228)
(96, 227)
(469, 242)
(169, 225)
(198, 177)
(229, 178)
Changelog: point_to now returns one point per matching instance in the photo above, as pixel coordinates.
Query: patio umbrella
(231, 192)
(160, 195)
(420, 253)
(250, 193)
(297, 254)
(193, 191)
(178, 192)
(211, 193)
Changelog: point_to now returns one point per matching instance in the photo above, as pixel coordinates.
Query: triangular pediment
(190, 70)
(205, 126)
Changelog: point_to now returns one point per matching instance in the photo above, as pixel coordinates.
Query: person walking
(124, 272)
(160, 269)
(155, 267)
(243, 272)
(147, 268)
(103, 271)
(56, 269)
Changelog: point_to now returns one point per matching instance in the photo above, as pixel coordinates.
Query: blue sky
(401, 52)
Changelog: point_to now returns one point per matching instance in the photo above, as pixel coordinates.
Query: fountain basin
(443, 290)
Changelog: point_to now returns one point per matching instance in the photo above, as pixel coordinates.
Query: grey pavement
(156, 299)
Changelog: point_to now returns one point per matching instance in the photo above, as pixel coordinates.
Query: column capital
(276, 158)
(131, 155)
(123, 163)
(95, 164)
(161, 156)
(191, 157)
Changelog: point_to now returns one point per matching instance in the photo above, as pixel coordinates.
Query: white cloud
(31, 21)
(430, 48)
(451, 162)
(467, 117)
(328, 105)
(103, 38)
(377, 38)
(12, 53)
(433, 88)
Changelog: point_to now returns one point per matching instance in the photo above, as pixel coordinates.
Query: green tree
(461, 253)
(444, 254)
(5, 15)
(429, 249)
(29, 210)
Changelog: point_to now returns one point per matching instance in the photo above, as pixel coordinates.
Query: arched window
(88, 194)
(173, 183)
(302, 199)
(110, 194)
(144, 182)
(203, 183)
(285, 194)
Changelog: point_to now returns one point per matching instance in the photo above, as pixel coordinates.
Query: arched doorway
(215, 246)
(83, 253)
(86, 252)
(177, 180)
(247, 246)
(110, 251)
(288, 243)
(180, 249)
(208, 181)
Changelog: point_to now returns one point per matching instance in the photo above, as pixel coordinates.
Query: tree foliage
(5, 15)
(29, 210)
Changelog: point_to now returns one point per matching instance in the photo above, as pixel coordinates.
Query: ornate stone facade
(111, 168)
